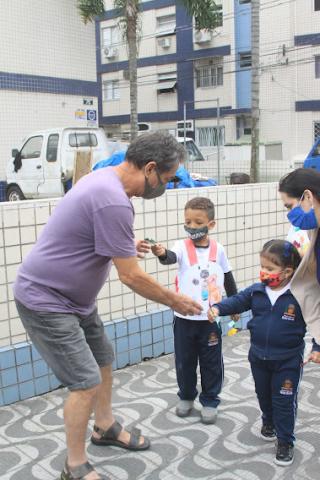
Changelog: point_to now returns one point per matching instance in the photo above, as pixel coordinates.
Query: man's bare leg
(103, 406)
(77, 410)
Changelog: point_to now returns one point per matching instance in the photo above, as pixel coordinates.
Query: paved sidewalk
(32, 438)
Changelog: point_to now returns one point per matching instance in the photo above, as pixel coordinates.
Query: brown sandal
(110, 437)
(78, 473)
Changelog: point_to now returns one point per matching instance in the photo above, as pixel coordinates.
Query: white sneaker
(209, 415)
(184, 407)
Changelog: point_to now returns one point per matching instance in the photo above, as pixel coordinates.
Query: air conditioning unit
(164, 42)
(202, 36)
(110, 52)
(126, 75)
(189, 126)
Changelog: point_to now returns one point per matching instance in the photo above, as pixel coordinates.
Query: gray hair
(159, 147)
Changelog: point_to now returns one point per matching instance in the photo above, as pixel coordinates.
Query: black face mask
(153, 192)
(196, 233)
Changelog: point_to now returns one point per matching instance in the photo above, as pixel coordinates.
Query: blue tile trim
(26, 390)
(54, 85)
(25, 372)
(138, 337)
(9, 377)
(7, 358)
(308, 106)
(23, 353)
(310, 39)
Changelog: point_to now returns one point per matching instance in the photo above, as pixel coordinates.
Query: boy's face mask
(271, 279)
(196, 233)
(301, 219)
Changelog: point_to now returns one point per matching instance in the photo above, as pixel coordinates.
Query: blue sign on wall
(92, 115)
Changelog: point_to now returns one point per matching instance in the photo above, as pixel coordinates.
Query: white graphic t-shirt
(203, 281)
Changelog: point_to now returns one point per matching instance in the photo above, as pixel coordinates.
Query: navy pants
(198, 341)
(277, 384)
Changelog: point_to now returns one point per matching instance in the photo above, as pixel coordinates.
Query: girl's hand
(158, 250)
(313, 357)
(213, 313)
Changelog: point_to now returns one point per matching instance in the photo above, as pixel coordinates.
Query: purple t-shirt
(71, 260)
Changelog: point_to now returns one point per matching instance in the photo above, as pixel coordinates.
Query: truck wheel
(14, 194)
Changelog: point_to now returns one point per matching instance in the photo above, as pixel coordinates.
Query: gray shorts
(73, 346)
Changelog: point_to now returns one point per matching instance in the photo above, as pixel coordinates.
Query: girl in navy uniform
(277, 331)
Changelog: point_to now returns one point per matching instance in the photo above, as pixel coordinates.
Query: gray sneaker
(184, 407)
(209, 415)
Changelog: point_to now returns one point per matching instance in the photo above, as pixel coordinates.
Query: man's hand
(145, 285)
(213, 313)
(313, 357)
(158, 250)
(142, 247)
(186, 306)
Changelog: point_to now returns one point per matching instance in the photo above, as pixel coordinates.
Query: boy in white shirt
(203, 273)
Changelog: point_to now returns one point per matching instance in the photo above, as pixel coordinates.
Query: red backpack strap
(191, 251)
(213, 251)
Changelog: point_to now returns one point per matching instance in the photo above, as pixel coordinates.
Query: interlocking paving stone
(32, 443)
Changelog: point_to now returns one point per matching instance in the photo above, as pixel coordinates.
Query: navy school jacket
(277, 332)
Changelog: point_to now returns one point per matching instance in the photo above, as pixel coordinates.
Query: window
(167, 82)
(316, 130)
(219, 16)
(209, 75)
(244, 1)
(110, 90)
(166, 24)
(317, 5)
(110, 36)
(245, 60)
(83, 140)
(317, 66)
(32, 148)
(52, 147)
(208, 136)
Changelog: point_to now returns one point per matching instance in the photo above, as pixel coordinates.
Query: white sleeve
(222, 259)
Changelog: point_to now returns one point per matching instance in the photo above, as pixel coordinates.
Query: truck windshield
(193, 152)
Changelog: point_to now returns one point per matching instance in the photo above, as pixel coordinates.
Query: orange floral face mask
(271, 279)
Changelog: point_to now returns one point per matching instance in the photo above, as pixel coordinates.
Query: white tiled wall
(46, 38)
(247, 216)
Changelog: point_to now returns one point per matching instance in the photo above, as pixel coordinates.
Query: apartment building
(179, 69)
(290, 75)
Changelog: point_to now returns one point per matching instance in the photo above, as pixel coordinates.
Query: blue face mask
(301, 219)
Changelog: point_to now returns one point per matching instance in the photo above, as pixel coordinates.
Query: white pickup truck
(44, 162)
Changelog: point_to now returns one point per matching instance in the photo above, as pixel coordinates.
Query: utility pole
(255, 89)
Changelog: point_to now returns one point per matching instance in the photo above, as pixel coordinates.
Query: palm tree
(206, 16)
